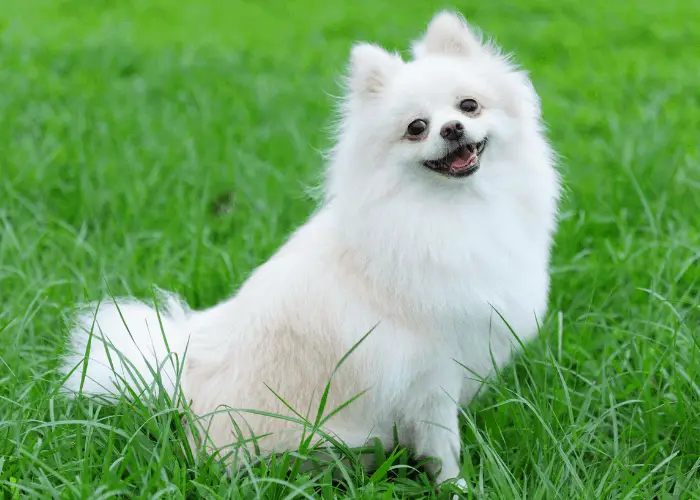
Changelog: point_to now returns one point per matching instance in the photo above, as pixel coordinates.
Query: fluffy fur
(433, 266)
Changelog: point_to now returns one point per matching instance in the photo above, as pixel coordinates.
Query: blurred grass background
(171, 143)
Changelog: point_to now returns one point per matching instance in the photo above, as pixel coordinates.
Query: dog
(427, 261)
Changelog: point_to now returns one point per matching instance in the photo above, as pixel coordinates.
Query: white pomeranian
(434, 236)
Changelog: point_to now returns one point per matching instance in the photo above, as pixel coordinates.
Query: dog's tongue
(463, 159)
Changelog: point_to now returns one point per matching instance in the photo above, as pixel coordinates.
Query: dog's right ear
(449, 34)
(371, 68)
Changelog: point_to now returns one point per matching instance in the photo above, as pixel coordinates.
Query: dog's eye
(469, 106)
(416, 128)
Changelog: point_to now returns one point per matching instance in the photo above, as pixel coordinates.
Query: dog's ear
(371, 67)
(449, 34)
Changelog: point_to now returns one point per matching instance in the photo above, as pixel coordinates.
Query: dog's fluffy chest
(444, 292)
(453, 272)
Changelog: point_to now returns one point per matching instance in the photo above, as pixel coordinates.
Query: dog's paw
(461, 485)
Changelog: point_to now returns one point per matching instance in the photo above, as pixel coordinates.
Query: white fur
(431, 262)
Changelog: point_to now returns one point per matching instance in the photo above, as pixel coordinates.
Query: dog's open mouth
(462, 162)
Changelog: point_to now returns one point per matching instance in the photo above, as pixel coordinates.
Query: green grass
(171, 143)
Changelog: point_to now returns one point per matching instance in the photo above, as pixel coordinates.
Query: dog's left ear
(449, 34)
(371, 68)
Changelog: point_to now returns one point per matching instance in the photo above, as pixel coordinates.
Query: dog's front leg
(436, 434)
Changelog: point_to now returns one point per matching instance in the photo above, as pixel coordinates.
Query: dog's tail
(124, 345)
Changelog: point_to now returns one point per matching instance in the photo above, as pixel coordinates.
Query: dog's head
(458, 107)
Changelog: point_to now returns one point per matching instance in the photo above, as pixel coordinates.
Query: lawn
(173, 143)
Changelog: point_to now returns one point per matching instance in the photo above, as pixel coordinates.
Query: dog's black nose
(452, 131)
